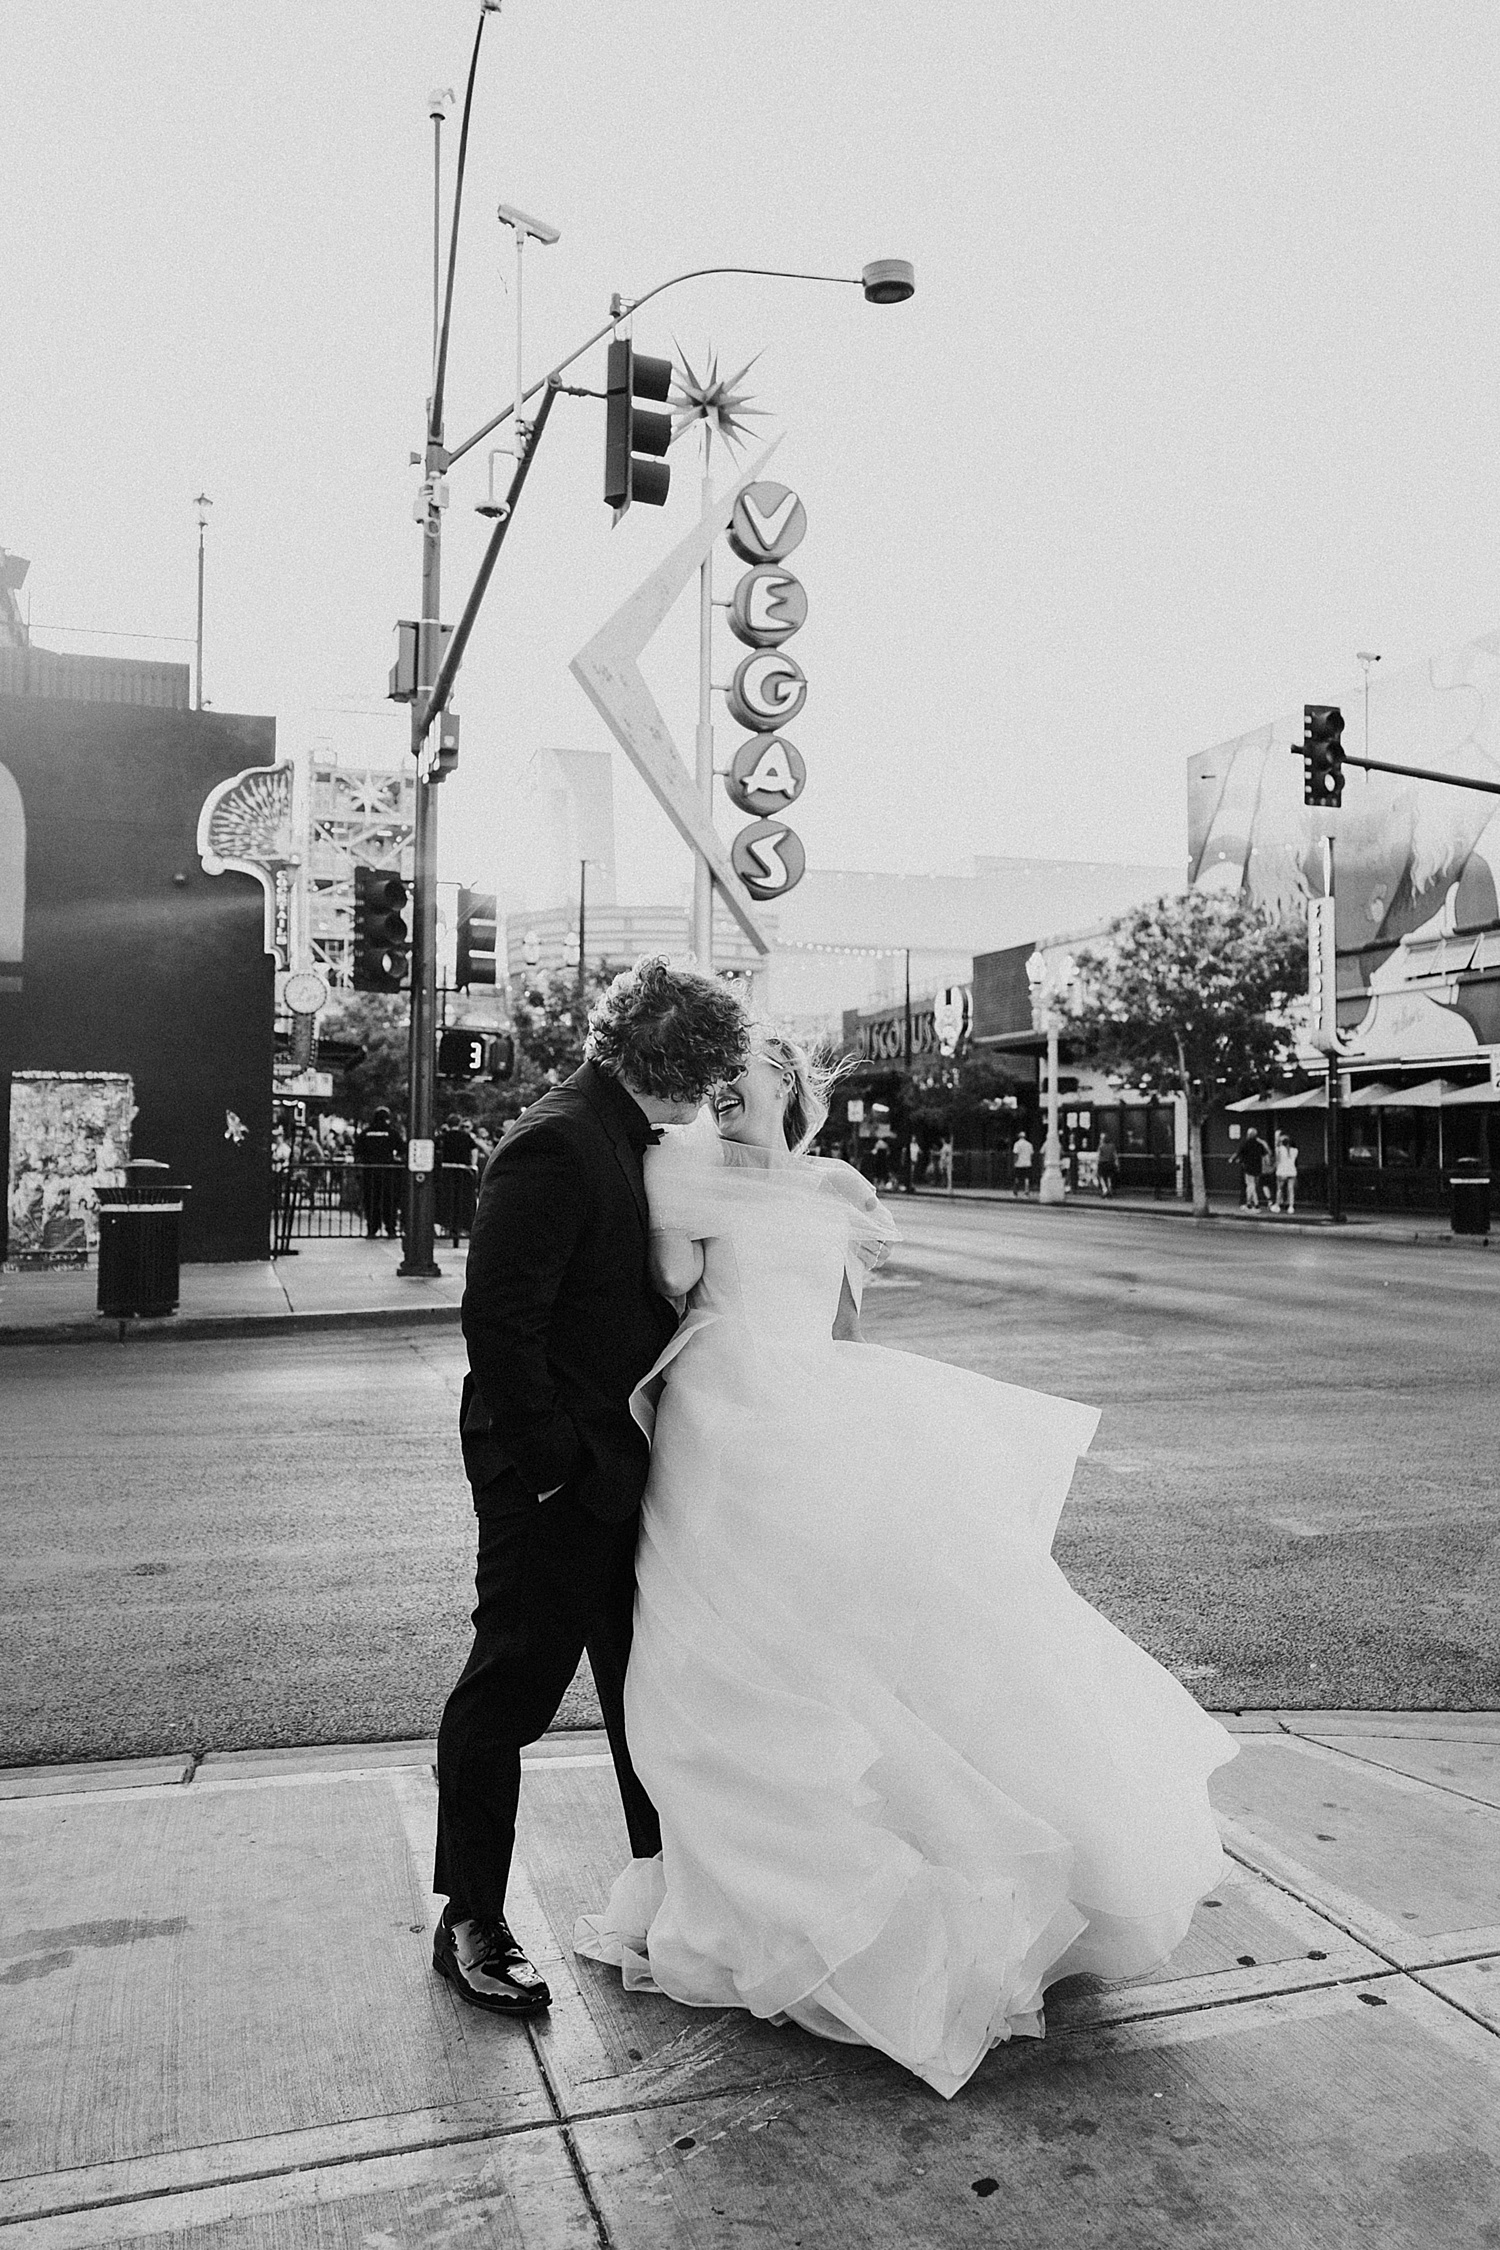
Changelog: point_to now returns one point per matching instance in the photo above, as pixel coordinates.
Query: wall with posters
(127, 957)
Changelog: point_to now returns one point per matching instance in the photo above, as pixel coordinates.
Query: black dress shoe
(499, 1977)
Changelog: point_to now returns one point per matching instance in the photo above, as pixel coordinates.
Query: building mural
(1416, 865)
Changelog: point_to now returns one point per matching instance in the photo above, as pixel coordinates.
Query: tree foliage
(1191, 995)
(548, 1031)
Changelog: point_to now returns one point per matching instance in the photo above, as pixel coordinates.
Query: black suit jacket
(558, 1314)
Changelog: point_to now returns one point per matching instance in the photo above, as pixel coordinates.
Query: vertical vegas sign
(769, 688)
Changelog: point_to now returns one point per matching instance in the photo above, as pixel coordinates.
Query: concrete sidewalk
(223, 2029)
(329, 1284)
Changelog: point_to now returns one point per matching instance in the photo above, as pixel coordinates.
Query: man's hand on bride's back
(676, 1263)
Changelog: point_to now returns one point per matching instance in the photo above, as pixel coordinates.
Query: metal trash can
(1470, 1183)
(140, 1243)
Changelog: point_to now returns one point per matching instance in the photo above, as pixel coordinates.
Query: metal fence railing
(326, 1201)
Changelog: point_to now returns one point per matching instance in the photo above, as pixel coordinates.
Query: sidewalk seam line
(565, 2129)
(270, 2172)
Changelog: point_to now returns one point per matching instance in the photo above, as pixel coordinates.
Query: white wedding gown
(907, 1778)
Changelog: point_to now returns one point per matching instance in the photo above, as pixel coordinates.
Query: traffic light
(381, 938)
(475, 962)
(462, 1054)
(476, 1054)
(1322, 754)
(630, 430)
(447, 744)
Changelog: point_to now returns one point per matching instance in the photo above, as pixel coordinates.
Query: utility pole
(583, 909)
(906, 1178)
(1333, 1125)
(703, 882)
(418, 1261)
(202, 504)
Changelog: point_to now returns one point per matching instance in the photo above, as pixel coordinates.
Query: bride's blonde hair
(813, 1074)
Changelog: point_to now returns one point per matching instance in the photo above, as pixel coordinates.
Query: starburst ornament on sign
(714, 400)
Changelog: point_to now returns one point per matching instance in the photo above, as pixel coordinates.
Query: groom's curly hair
(670, 1031)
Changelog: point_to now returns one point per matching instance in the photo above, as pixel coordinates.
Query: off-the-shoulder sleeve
(871, 1229)
(684, 1175)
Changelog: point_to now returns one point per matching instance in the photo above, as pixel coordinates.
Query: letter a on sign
(766, 775)
(768, 522)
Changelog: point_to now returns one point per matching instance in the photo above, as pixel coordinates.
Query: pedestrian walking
(1253, 1153)
(1286, 1174)
(1109, 1164)
(1022, 1157)
(380, 1151)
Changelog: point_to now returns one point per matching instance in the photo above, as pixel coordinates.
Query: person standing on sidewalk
(1021, 1157)
(1252, 1164)
(1109, 1164)
(561, 1323)
(1286, 1174)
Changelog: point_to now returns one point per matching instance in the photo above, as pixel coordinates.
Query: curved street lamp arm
(628, 305)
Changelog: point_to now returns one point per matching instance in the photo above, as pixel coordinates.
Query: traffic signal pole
(1333, 1128)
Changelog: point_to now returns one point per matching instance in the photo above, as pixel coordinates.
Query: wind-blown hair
(813, 1075)
(670, 1031)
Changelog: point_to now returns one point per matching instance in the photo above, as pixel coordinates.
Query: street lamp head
(202, 503)
(888, 281)
(538, 229)
(1365, 656)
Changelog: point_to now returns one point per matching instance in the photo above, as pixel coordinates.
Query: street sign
(419, 1156)
(855, 1112)
(767, 691)
(768, 858)
(1322, 977)
(767, 607)
(768, 522)
(766, 775)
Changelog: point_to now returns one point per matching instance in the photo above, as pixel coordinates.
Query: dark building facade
(120, 953)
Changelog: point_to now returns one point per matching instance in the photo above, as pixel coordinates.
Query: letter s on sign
(768, 858)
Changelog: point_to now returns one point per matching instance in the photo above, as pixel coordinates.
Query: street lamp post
(885, 281)
(1045, 1017)
(1366, 657)
(202, 504)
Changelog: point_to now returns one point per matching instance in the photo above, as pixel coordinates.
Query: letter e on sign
(767, 607)
(768, 522)
(766, 776)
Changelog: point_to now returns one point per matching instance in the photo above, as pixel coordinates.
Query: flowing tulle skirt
(907, 1778)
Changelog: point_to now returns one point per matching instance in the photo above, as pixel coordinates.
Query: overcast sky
(1198, 395)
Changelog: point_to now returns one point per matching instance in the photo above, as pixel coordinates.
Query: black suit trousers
(552, 1581)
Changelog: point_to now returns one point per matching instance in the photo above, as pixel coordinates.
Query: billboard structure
(1417, 865)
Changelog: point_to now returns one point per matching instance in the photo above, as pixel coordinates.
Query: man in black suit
(561, 1323)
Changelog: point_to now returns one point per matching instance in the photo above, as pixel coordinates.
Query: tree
(1191, 996)
(378, 1021)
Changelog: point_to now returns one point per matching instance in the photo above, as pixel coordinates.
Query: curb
(201, 1326)
(1348, 1230)
(184, 1766)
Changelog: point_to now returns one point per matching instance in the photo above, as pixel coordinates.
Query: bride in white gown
(907, 1778)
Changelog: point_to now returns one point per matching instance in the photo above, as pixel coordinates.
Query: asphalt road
(212, 1545)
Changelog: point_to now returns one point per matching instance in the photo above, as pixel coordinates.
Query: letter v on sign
(608, 671)
(768, 522)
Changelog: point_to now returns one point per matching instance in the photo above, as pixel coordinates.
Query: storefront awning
(1314, 1097)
